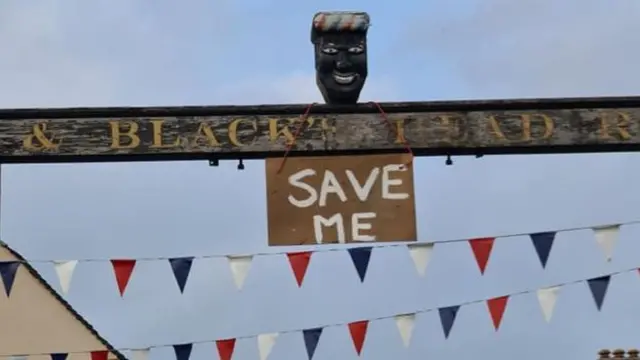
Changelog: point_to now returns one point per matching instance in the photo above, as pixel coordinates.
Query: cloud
(118, 52)
(503, 48)
(76, 53)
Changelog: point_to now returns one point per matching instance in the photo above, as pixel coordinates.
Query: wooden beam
(230, 132)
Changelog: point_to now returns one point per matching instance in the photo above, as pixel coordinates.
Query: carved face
(341, 66)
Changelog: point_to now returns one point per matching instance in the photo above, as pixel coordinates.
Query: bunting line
(357, 330)
(605, 236)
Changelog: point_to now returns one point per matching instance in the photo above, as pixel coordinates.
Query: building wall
(32, 321)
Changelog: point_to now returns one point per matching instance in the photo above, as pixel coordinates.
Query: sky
(118, 53)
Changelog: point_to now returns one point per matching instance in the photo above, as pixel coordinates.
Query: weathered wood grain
(437, 128)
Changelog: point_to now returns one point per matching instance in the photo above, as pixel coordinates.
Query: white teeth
(344, 79)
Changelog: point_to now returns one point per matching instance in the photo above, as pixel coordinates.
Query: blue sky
(116, 52)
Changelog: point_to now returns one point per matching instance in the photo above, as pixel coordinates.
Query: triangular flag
(420, 254)
(447, 318)
(64, 270)
(360, 257)
(181, 268)
(59, 356)
(99, 355)
(123, 268)
(311, 338)
(140, 354)
(183, 351)
(496, 309)
(299, 262)
(607, 237)
(405, 324)
(598, 288)
(481, 248)
(547, 298)
(358, 331)
(8, 270)
(225, 348)
(266, 343)
(543, 242)
(240, 266)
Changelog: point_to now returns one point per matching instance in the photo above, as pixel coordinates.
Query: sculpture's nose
(342, 63)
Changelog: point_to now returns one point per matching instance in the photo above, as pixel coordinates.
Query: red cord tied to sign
(397, 134)
(301, 121)
(305, 116)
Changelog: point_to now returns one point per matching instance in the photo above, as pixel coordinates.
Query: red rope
(301, 122)
(397, 133)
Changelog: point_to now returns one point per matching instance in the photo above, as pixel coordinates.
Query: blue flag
(543, 242)
(447, 318)
(598, 288)
(183, 351)
(8, 271)
(59, 356)
(360, 257)
(311, 339)
(181, 268)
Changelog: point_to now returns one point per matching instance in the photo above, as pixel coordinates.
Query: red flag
(481, 248)
(225, 348)
(496, 309)
(99, 355)
(123, 269)
(358, 332)
(299, 262)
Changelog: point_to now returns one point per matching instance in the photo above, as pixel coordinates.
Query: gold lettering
(233, 130)
(157, 136)
(117, 135)
(324, 125)
(38, 139)
(621, 126)
(455, 131)
(526, 126)
(206, 133)
(275, 133)
(400, 139)
(525, 123)
(495, 128)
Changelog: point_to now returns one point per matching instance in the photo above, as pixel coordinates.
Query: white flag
(547, 298)
(240, 266)
(607, 237)
(265, 344)
(420, 254)
(405, 324)
(140, 354)
(65, 269)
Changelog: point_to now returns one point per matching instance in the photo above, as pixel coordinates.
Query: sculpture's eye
(330, 50)
(356, 50)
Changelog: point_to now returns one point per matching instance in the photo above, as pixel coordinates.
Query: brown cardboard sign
(321, 200)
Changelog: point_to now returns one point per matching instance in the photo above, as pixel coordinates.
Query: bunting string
(420, 253)
(357, 330)
(603, 234)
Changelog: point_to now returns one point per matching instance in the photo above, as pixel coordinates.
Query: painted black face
(341, 66)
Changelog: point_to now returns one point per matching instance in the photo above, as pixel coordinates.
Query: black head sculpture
(340, 43)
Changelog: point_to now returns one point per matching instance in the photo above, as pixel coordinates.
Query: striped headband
(341, 21)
